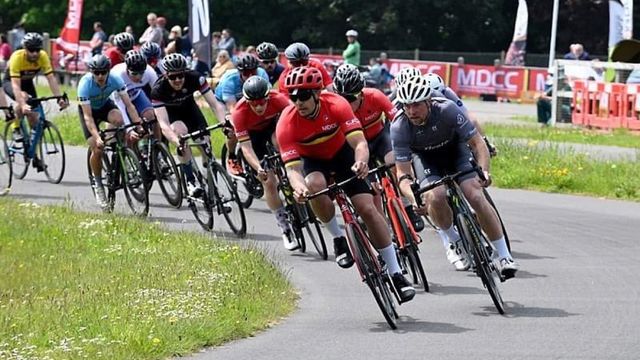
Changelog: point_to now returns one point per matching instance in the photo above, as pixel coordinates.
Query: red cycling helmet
(304, 77)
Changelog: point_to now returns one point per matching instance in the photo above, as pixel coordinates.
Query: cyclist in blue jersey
(95, 106)
(268, 56)
(228, 93)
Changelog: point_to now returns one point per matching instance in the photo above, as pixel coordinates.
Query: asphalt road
(576, 297)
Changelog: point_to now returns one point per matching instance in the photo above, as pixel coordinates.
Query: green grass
(529, 167)
(524, 118)
(76, 285)
(618, 137)
(44, 90)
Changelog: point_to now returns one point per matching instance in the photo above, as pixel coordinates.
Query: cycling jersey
(21, 67)
(326, 78)
(134, 89)
(245, 120)
(230, 86)
(373, 110)
(451, 95)
(162, 94)
(274, 76)
(115, 56)
(90, 93)
(318, 138)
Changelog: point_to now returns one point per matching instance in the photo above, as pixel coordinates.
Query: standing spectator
(5, 51)
(178, 43)
(576, 52)
(153, 33)
(215, 40)
(251, 50)
(544, 99)
(223, 64)
(162, 24)
(351, 54)
(16, 34)
(129, 29)
(227, 42)
(98, 39)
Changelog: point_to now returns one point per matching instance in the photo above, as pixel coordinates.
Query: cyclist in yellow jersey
(24, 65)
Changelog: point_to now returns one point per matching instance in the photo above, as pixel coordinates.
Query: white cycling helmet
(405, 74)
(435, 82)
(414, 90)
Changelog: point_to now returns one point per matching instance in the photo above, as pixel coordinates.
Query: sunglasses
(100, 72)
(302, 95)
(135, 73)
(33, 50)
(299, 63)
(258, 102)
(175, 76)
(350, 97)
(249, 73)
(267, 62)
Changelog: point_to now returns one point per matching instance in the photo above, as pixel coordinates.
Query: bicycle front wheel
(107, 179)
(135, 188)
(409, 253)
(6, 172)
(51, 153)
(504, 229)
(315, 233)
(224, 198)
(239, 182)
(16, 150)
(167, 174)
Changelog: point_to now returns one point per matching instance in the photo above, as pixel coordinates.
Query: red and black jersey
(114, 56)
(374, 109)
(326, 78)
(318, 138)
(246, 120)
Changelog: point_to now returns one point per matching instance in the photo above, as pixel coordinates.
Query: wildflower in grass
(613, 166)
(156, 341)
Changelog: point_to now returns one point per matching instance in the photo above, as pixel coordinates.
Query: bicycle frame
(34, 136)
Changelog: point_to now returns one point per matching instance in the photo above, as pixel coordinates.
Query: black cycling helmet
(99, 62)
(135, 61)
(348, 79)
(150, 50)
(255, 88)
(32, 41)
(174, 63)
(124, 42)
(247, 62)
(297, 52)
(267, 51)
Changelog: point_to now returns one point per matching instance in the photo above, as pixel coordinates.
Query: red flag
(70, 34)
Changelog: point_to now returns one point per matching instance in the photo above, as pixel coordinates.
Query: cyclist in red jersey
(122, 43)
(319, 135)
(375, 112)
(298, 55)
(255, 118)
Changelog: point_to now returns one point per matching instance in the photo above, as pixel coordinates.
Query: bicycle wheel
(373, 275)
(107, 172)
(16, 150)
(293, 210)
(135, 188)
(239, 182)
(504, 229)
(484, 268)
(6, 172)
(167, 174)
(51, 152)
(410, 249)
(224, 198)
(200, 206)
(317, 238)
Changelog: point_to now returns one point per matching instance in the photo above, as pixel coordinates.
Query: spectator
(543, 101)
(129, 29)
(576, 52)
(98, 39)
(215, 40)
(162, 23)
(223, 64)
(251, 50)
(16, 34)
(351, 54)
(178, 43)
(227, 42)
(153, 33)
(386, 74)
(5, 52)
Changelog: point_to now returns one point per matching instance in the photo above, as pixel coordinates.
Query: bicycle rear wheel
(224, 198)
(410, 252)
(373, 274)
(167, 174)
(16, 150)
(484, 268)
(6, 172)
(245, 193)
(135, 188)
(51, 152)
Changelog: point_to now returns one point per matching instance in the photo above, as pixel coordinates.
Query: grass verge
(76, 285)
(548, 169)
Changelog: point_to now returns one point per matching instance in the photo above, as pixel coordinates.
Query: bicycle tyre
(19, 166)
(135, 188)
(411, 249)
(293, 210)
(107, 181)
(48, 148)
(484, 268)
(240, 182)
(223, 193)
(504, 229)
(6, 170)
(372, 277)
(200, 206)
(318, 241)
(167, 175)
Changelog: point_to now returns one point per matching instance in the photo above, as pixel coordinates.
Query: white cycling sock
(281, 218)
(444, 238)
(333, 227)
(452, 233)
(389, 256)
(501, 247)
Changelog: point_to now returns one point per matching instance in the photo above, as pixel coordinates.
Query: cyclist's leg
(29, 90)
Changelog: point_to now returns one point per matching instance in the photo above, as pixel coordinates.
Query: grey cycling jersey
(451, 95)
(445, 128)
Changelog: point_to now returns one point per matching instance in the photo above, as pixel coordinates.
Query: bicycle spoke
(51, 153)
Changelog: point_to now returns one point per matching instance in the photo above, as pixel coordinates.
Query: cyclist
(440, 89)
(177, 111)
(298, 55)
(94, 89)
(122, 43)
(402, 76)
(268, 56)
(24, 65)
(227, 93)
(151, 52)
(375, 111)
(319, 134)
(255, 121)
(438, 137)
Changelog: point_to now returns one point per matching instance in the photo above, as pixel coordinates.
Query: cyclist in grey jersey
(438, 138)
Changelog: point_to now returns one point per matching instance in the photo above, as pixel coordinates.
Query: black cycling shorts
(430, 166)
(260, 138)
(189, 113)
(99, 115)
(26, 86)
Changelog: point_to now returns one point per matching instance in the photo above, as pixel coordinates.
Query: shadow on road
(516, 310)
(408, 324)
(439, 289)
(525, 256)
(527, 275)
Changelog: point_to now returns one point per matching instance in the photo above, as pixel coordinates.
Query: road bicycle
(6, 171)
(121, 171)
(301, 216)
(247, 183)
(219, 192)
(41, 146)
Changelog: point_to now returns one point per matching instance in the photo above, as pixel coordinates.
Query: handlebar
(33, 102)
(199, 133)
(332, 188)
(446, 179)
